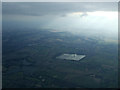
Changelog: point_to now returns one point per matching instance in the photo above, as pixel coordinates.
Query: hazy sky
(81, 18)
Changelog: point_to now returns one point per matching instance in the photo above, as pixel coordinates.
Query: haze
(96, 19)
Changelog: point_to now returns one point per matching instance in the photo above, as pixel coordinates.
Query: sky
(88, 18)
(60, 0)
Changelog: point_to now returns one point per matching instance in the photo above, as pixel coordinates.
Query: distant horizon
(78, 18)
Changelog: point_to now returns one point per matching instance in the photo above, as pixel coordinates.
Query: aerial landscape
(59, 45)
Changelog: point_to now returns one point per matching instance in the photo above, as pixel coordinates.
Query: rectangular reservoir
(71, 57)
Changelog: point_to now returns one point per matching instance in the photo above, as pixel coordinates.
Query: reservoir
(71, 57)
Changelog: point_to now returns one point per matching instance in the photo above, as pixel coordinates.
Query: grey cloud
(63, 15)
(61, 8)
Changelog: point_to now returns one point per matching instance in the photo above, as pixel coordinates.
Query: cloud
(62, 8)
(63, 17)
(84, 14)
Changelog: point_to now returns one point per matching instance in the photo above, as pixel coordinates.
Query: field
(29, 60)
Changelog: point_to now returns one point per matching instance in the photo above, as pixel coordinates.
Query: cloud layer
(80, 18)
(40, 9)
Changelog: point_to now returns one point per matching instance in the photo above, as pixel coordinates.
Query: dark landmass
(29, 60)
